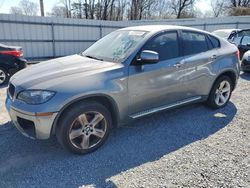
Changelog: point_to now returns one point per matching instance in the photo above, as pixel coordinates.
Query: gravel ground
(188, 147)
(4, 117)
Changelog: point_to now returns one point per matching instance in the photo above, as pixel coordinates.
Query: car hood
(58, 68)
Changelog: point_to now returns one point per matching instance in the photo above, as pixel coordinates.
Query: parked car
(245, 63)
(244, 45)
(227, 34)
(241, 38)
(128, 74)
(11, 61)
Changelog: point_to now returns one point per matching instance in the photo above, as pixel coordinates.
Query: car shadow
(245, 76)
(32, 163)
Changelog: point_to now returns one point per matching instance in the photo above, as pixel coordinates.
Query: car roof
(228, 30)
(158, 28)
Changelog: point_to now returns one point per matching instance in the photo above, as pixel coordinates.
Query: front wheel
(84, 128)
(220, 93)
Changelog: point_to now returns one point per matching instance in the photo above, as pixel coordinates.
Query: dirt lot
(188, 147)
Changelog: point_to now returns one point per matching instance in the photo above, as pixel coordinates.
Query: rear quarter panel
(227, 60)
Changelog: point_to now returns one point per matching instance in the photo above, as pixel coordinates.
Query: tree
(128, 9)
(218, 7)
(16, 10)
(58, 11)
(67, 5)
(25, 7)
(28, 7)
(139, 7)
(120, 9)
(160, 10)
(77, 9)
(181, 6)
(239, 11)
(238, 7)
(240, 3)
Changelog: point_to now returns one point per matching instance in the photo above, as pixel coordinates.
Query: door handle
(213, 57)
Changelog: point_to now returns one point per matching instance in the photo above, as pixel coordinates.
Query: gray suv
(126, 75)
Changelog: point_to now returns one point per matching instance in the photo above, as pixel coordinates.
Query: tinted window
(215, 42)
(194, 43)
(165, 44)
(236, 40)
(210, 44)
(243, 33)
(245, 40)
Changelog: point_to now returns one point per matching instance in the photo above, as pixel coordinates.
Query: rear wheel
(220, 93)
(84, 128)
(4, 77)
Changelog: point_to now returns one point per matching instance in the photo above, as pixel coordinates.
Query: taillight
(15, 53)
(238, 54)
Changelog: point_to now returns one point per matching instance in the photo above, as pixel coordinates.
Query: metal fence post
(100, 27)
(237, 25)
(205, 26)
(53, 39)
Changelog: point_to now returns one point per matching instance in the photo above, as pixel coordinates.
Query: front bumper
(31, 124)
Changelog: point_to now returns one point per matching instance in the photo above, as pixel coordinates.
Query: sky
(203, 5)
(6, 4)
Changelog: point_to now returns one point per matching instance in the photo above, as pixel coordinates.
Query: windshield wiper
(92, 57)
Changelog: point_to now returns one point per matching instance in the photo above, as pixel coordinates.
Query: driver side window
(166, 45)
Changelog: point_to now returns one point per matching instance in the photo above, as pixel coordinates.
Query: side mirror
(248, 44)
(148, 57)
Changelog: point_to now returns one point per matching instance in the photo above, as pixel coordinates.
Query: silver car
(128, 74)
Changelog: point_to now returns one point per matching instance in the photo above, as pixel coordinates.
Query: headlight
(35, 96)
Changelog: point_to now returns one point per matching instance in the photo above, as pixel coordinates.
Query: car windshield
(116, 46)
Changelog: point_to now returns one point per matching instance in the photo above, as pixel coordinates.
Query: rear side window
(215, 42)
(193, 43)
(166, 45)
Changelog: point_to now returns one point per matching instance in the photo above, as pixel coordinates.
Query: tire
(4, 77)
(217, 92)
(84, 127)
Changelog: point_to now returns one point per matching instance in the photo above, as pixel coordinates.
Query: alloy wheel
(222, 93)
(87, 130)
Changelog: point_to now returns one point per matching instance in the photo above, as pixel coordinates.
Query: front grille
(11, 90)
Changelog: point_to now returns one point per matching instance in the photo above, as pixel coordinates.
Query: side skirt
(165, 107)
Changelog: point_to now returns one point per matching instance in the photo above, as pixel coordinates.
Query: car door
(199, 55)
(244, 45)
(155, 85)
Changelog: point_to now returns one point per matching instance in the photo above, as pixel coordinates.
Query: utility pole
(41, 7)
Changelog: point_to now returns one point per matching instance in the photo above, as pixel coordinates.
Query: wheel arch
(103, 99)
(230, 73)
